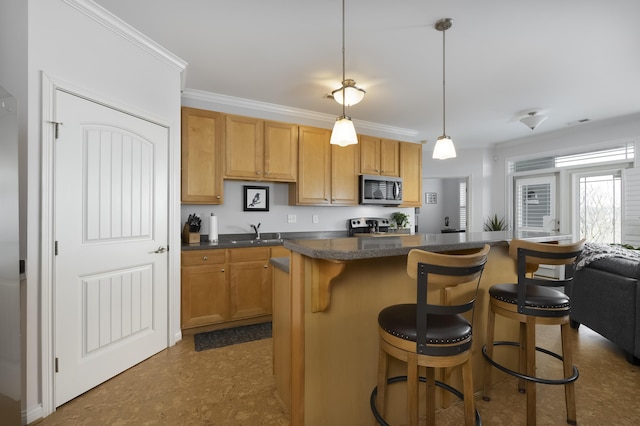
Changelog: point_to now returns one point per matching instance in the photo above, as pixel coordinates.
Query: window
(462, 193)
(621, 153)
(600, 207)
(535, 203)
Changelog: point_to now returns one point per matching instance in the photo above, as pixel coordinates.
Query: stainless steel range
(367, 225)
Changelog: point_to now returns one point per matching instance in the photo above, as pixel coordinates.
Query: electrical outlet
(314, 218)
(291, 218)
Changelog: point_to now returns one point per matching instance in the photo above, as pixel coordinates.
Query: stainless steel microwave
(381, 190)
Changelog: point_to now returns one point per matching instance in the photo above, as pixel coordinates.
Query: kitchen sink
(255, 242)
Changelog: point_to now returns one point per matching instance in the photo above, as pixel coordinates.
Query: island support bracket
(323, 273)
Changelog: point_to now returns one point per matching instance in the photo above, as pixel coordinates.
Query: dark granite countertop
(398, 245)
(281, 263)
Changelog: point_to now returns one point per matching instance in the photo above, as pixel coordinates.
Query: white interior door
(110, 219)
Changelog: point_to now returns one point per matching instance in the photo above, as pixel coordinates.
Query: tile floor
(234, 386)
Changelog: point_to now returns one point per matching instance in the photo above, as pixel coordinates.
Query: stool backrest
(436, 270)
(553, 247)
(529, 253)
(453, 261)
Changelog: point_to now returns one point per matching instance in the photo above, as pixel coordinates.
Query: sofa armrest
(618, 266)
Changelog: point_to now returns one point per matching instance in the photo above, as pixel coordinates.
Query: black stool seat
(535, 296)
(400, 321)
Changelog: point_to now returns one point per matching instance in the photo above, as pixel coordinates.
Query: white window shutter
(631, 208)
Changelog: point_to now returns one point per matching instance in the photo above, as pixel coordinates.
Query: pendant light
(352, 93)
(444, 145)
(344, 132)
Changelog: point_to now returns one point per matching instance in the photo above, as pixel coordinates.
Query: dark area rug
(231, 336)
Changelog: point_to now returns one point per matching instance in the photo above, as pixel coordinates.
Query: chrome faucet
(256, 229)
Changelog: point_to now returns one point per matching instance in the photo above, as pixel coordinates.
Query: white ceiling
(571, 59)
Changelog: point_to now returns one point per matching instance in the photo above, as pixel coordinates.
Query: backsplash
(232, 219)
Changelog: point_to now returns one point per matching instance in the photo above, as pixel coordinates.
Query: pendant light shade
(344, 132)
(444, 145)
(352, 93)
(444, 148)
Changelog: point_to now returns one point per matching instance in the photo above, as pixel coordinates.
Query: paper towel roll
(213, 228)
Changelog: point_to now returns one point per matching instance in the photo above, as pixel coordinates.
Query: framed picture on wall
(256, 198)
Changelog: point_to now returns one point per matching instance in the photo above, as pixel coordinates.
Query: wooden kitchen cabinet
(203, 288)
(202, 137)
(227, 287)
(411, 174)
(327, 175)
(249, 282)
(260, 150)
(379, 156)
(344, 175)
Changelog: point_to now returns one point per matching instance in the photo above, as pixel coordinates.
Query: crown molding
(215, 98)
(126, 31)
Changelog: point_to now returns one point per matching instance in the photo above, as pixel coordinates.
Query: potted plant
(495, 224)
(400, 219)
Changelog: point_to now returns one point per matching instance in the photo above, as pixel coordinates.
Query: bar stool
(430, 335)
(532, 301)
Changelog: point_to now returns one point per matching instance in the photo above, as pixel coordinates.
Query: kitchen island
(329, 303)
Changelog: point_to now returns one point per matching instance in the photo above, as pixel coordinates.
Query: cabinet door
(369, 155)
(344, 175)
(389, 157)
(314, 168)
(203, 295)
(249, 289)
(280, 151)
(411, 174)
(202, 133)
(244, 148)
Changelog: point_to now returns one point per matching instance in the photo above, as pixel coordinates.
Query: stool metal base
(391, 380)
(519, 375)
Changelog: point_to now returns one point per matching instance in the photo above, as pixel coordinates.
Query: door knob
(160, 250)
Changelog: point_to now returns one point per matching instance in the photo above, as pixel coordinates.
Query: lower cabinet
(249, 283)
(203, 288)
(223, 286)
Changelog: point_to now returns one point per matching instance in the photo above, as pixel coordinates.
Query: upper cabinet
(260, 150)
(411, 174)
(379, 156)
(327, 175)
(202, 137)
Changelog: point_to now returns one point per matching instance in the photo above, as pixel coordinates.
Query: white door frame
(49, 88)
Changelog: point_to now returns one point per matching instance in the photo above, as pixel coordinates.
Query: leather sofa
(605, 296)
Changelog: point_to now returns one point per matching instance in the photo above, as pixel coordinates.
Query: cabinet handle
(258, 173)
(205, 258)
(221, 269)
(218, 197)
(266, 266)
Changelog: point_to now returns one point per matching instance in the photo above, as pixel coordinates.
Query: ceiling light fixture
(344, 132)
(533, 120)
(444, 145)
(352, 93)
